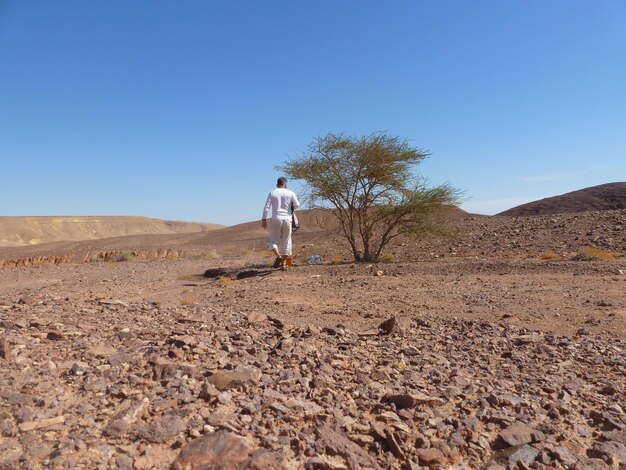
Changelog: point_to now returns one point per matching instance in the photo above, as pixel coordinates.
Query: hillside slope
(610, 196)
(24, 231)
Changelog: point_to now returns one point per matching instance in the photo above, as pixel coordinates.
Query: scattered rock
(121, 422)
(333, 443)
(227, 379)
(5, 350)
(611, 452)
(161, 429)
(395, 324)
(431, 457)
(519, 434)
(256, 317)
(41, 423)
(224, 450)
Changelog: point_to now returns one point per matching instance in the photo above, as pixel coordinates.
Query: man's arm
(266, 209)
(295, 202)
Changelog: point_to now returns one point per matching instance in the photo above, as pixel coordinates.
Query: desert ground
(501, 347)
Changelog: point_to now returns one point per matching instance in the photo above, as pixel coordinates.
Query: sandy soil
(560, 297)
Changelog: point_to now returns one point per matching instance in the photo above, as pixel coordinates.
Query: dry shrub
(549, 255)
(212, 254)
(593, 254)
(388, 258)
(187, 300)
(123, 257)
(226, 281)
(172, 256)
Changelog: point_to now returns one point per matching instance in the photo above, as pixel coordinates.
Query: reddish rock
(172, 370)
(400, 325)
(431, 456)
(223, 450)
(518, 434)
(161, 429)
(5, 350)
(227, 379)
(332, 442)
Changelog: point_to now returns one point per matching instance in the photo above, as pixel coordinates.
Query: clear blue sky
(180, 110)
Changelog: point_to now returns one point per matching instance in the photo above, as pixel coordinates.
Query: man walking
(283, 202)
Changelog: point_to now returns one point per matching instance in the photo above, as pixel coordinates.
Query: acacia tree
(370, 185)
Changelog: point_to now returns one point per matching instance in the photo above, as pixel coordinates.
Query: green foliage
(370, 185)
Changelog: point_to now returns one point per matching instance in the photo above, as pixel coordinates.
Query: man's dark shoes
(277, 262)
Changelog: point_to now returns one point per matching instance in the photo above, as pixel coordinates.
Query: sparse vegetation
(212, 254)
(123, 257)
(187, 300)
(172, 256)
(370, 185)
(593, 254)
(226, 281)
(549, 255)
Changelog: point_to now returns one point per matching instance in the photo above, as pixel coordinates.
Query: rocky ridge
(610, 196)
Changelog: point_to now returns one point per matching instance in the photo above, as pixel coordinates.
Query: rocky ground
(450, 363)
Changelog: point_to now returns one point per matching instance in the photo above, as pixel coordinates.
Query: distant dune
(25, 231)
(611, 196)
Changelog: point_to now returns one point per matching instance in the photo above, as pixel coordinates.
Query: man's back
(281, 200)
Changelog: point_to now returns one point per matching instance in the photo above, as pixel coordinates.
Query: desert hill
(610, 196)
(23, 231)
(319, 232)
(476, 236)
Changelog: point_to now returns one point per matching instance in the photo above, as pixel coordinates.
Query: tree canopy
(369, 183)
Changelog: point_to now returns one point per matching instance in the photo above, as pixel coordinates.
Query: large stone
(591, 464)
(5, 350)
(333, 443)
(7, 428)
(256, 317)
(172, 370)
(308, 407)
(56, 336)
(11, 452)
(102, 350)
(619, 436)
(395, 324)
(612, 452)
(208, 391)
(121, 422)
(431, 456)
(18, 398)
(119, 358)
(162, 429)
(514, 456)
(41, 423)
(411, 400)
(227, 379)
(223, 450)
(518, 434)
(565, 456)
